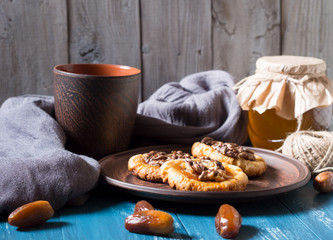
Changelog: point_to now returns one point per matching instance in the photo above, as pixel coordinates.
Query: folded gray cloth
(33, 162)
(201, 104)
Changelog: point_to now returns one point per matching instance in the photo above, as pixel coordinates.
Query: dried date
(228, 221)
(151, 222)
(31, 214)
(323, 182)
(142, 206)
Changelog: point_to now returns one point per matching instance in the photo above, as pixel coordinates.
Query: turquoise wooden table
(300, 214)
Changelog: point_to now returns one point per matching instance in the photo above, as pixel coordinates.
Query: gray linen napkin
(201, 104)
(33, 162)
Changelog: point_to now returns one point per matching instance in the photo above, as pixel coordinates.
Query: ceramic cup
(96, 105)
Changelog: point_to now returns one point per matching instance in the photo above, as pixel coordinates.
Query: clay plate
(283, 174)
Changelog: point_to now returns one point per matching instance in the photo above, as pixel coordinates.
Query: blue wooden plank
(268, 219)
(103, 217)
(301, 214)
(313, 209)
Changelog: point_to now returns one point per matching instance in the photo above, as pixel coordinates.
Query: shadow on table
(247, 232)
(100, 198)
(301, 200)
(44, 226)
(3, 217)
(105, 196)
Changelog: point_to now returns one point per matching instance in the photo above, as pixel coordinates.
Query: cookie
(203, 175)
(147, 166)
(230, 153)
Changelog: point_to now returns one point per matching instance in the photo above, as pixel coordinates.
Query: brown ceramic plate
(283, 174)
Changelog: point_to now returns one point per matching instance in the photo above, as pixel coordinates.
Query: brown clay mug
(96, 105)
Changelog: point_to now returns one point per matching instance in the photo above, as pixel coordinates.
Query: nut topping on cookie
(208, 141)
(179, 155)
(156, 158)
(208, 170)
(229, 149)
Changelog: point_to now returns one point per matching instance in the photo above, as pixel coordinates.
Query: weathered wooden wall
(167, 39)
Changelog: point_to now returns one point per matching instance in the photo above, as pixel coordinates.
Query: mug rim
(67, 73)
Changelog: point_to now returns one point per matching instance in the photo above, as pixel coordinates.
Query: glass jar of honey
(286, 94)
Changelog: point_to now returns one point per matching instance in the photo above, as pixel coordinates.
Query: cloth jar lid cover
(291, 85)
(291, 65)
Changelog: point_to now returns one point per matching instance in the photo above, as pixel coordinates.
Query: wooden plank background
(167, 39)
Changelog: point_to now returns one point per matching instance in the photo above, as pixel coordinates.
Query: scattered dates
(146, 220)
(31, 214)
(323, 182)
(228, 221)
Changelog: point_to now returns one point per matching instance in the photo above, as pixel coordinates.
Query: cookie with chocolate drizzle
(147, 166)
(230, 153)
(203, 174)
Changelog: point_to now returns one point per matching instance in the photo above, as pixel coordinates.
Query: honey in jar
(286, 94)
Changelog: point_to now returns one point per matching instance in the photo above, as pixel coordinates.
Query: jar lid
(291, 65)
(292, 85)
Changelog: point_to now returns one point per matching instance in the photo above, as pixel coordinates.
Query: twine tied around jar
(313, 148)
(271, 76)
